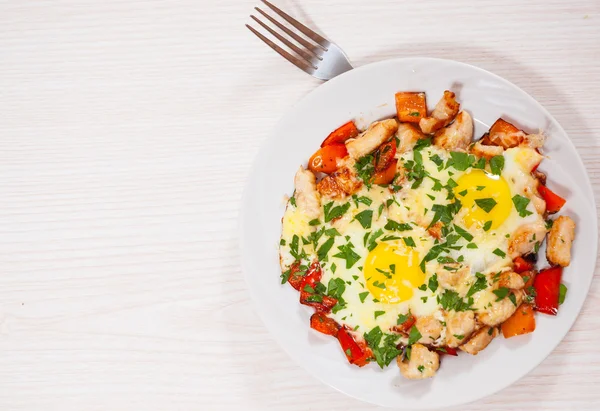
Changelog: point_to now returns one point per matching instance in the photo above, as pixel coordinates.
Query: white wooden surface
(127, 129)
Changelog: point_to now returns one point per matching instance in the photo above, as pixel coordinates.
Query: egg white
(413, 205)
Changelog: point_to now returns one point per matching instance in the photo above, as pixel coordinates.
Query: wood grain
(127, 132)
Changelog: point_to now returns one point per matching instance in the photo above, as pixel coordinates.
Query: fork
(320, 57)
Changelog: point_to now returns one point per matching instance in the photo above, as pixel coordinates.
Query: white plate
(367, 94)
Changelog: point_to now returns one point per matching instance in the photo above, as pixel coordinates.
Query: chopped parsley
(378, 313)
(562, 293)
(385, 352)
(409, 241)
(363, 296)
(314, 222)
(394, 226)
(521, 203)
(336, 287)
(437, 160)
(378, 285)
(347, 253)
(460, 161)
(365, 218)
(414, 335)
(463, 233)
(433, 283)
(480, 164)
(487, 225)
(499, 253)
(365, 169)
(486, 204)
(314, 298)
(334, 212)
(450, 300)
(362, 199)
(374, 236)
(478, 285)
(501, 293)
(497, 164)
(402, 318)
(421, 368)
(324, 249)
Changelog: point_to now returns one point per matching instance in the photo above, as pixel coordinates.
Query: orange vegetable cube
(410, 106)
(502, 126)
(521, 322)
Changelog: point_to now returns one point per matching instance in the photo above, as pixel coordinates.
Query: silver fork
(321, 58)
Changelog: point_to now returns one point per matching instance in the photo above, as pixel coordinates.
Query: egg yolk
(487, 198)
(392, 273)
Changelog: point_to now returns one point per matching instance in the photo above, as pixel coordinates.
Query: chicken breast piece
(452, 275)
(422, 363)
(430, 329)
(443, 113)
(456, 136)
(378, 133)
(511, 280)
(347, 180)
(341, 182)
(479, 340)
(487, 152)
(408, 134)
(533, 140)
(459, 326)
(560, 239)
(506, 139)
(307, 197)
(328, 187)
(501, 310)
(524, 239)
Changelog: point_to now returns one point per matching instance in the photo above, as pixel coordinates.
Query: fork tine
(301, 64)
(301, 27)
(310, 46)
(304, 54)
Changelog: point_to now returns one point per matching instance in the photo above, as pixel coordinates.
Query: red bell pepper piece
(326, 158)
(547, 288)
(554, 202)
(520, 264)
(447, 351)
(529, 278)
(295, 278)
(323, 324)
(386, 176)
(357, 353)
(321, 303)
(312, 276)
(341, 134)
(405, 327)
(384, 155)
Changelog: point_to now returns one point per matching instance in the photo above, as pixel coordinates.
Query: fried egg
(381, 243)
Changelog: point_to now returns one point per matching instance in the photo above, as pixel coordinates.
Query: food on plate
(409, 241)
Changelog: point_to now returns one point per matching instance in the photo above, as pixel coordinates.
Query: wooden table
(127, 131)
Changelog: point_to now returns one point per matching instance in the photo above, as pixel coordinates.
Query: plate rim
(321, 89)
